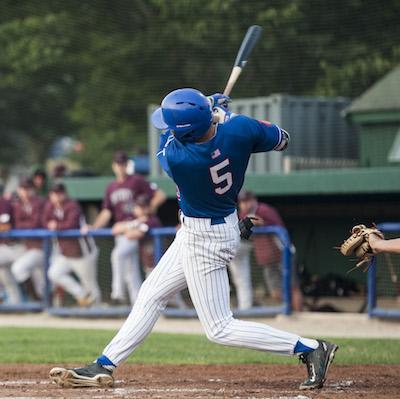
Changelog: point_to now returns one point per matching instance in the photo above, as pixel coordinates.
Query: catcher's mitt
(358, 244)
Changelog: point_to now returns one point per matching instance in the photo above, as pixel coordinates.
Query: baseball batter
(207, 161)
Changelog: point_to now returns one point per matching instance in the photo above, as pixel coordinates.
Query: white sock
(311, 343)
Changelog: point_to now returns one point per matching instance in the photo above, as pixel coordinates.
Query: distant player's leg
(85, 269)
(240, 269)
(272, 274)
(24, 267)
(8, 255)
(125, 269)
(164, 281)
(129, 258)
(7, 279)
(204, 264)
(60, 274)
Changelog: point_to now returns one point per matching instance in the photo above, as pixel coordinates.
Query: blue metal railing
(158, 234)
(373, 309)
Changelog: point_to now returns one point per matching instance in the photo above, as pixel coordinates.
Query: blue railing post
(47, 287)
(158, 248)
(287, 272)
(371, 299)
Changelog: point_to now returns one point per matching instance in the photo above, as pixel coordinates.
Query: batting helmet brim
(157, 119)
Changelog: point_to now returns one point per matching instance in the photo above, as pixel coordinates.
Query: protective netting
(388, 278)
(77, 79)
(87, 70)
(254, 282)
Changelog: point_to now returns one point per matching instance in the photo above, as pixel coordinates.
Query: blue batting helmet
(186, 112)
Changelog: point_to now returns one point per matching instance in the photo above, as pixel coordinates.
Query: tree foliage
(89, 68)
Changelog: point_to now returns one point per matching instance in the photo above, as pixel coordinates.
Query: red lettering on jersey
(265, 122)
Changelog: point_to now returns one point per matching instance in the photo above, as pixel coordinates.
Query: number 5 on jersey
(220, 179)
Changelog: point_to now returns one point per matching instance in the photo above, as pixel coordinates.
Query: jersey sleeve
(143, 187)
(265, 135)
(165, 139)
(269, 215)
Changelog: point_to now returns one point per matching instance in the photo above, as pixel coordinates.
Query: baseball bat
(248, 43)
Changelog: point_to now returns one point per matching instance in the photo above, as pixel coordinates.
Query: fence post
(371, 299)
(158, 248)
(287, 273)
(47, 253)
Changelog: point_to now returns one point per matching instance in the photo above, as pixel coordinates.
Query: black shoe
(93, 375)
(318, 362)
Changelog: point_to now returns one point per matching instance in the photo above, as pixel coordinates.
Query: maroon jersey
(120, 196)
(27, 215)
(266, 250)
(146, 243)
(67, 217)
(5, 217)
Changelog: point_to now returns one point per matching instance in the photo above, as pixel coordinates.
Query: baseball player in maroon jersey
(267, 251)
(28, 268)
(119, 199)
(71, 254)
(9, 252)
(40, 182)
(137, 230)
(143, 220)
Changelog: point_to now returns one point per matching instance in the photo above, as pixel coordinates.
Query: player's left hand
(220, 106)
(245, 227)
(359, 243)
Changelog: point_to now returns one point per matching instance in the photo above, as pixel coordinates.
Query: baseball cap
(246, 195)
(120, 157)
(25, 182)
(58, 188)
(39, 172)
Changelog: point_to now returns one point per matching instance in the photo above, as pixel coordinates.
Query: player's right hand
(219, 100)
(220, 107)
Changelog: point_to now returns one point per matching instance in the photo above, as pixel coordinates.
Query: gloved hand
(246, 225)
(219, 100)
(358, 244)
(220, 106)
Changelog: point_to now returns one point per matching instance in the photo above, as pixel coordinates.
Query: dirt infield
(223, 381)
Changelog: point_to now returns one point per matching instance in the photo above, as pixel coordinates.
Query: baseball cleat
(93, 375)
(318, 362)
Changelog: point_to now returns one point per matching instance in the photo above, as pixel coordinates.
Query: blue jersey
(210, 175)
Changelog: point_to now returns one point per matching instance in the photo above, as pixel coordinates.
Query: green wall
(376, 140)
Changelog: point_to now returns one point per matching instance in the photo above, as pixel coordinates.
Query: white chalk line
(126, 391)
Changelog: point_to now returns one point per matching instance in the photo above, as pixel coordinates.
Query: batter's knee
(149, 297)
(218, 335)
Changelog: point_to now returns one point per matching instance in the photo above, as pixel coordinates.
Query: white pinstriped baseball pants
(197, 259)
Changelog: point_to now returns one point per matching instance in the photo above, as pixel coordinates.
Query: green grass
(42, 345)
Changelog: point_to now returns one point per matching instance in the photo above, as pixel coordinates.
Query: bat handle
(232, 80)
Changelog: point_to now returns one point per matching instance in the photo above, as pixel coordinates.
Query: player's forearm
(391, 246)
(158, 199)
(102, 219)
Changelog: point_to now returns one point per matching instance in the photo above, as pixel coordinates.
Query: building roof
(382, 96)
